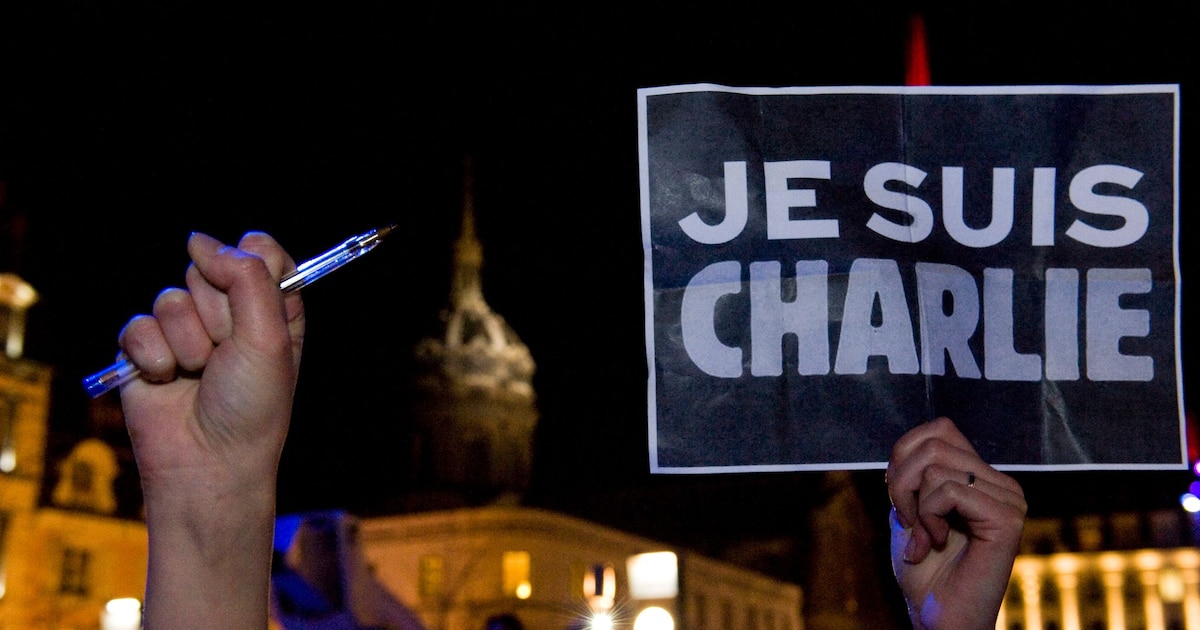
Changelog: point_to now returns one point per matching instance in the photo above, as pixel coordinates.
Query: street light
(601, 621)
(124, 613)
(654, 618)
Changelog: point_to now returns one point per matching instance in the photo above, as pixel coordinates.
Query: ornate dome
(474, 413)
(476, 351)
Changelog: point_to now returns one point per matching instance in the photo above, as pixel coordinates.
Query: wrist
(209, 552)
(209, 508)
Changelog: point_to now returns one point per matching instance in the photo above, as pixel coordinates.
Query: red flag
(916, 57)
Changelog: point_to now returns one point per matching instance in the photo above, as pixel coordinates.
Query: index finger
(941, 428)
(935, 442)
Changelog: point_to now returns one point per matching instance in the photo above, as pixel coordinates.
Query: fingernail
(908, 550)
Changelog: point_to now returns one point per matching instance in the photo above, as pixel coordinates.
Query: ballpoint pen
(308, 272)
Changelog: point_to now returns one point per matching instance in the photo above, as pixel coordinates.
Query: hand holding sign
(956, 528)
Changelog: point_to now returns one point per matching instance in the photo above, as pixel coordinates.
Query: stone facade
(61, 563)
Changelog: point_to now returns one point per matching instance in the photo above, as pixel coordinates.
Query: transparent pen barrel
(307, 273)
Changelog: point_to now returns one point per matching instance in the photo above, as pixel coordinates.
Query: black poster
(826, 268)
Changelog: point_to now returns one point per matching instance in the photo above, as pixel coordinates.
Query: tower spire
(467, 286)
(475, 408)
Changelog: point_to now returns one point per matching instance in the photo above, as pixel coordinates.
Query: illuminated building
(67, 558)
(1128, 571)
(464, 553)
(458, 569)
(467, 552)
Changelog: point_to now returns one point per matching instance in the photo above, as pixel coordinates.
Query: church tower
(475, 408)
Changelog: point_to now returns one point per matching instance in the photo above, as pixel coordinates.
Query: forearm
(208, 448)
(209, 557)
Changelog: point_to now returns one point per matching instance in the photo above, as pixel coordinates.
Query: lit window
(8, 417)
(429, 578)
(4, 518)
(600, 586)
(515, 574)
(653, 575)
(600, 581)
(1171, 585)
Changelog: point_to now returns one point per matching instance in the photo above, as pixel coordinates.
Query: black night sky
(125, 126)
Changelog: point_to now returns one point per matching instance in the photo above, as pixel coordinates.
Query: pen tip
(384, 231)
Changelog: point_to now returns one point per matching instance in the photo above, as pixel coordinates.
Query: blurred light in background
(654, 618)
(121, 614)
(601, 621)
(653, 575)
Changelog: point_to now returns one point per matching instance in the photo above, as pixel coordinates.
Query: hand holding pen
(305, 274)
(207, 420)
